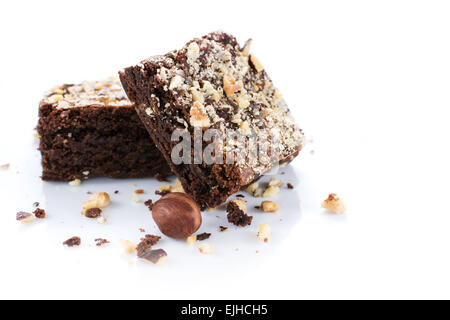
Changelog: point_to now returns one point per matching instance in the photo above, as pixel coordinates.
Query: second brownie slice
(213, 83)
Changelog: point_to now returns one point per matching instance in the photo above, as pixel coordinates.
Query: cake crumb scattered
(334, 204)
(93, 212)
(39, 213)
(100, 242)
(74, 241)
(149, 204)
(290, 186)
(203, 236)
(223, 229)
(236, 214)
(146, 243)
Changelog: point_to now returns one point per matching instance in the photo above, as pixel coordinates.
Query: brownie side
(211, 83)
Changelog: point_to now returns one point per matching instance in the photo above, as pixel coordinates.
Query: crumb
(223, 229)
(191, 240)
(139, 191)
(269, 206)
(116, 192)
(257, 251)
(263, 233)
(203, 236)
(257, 207)
(240, 196)
(89, 192)
(149, 203)
(236, 215)
(24, 217)
(74, 241)
(101, 220)
(283, 173)
(129, 246)
(161, 193)
(312, 151)
(98, 200)
(334, 204)
(75, 183)
(36, 204)
(100, 242)
(205, 248)
(290, 186)
(4, 166)
(271, 191)
(141, 230)
(135, 198)
(274, 182)
(39, 213)
(93, 212)
(157, 256)
(146, 243)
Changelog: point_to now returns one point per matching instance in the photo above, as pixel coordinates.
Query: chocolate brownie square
(213, 86)
(91, 129)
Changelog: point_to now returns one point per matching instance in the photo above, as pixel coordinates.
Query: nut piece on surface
(252, 187)
(177, 215)
(271, 191)
(129, 246)
(75, 183)
(24, 217)
(39, 213)
(269, 206)
(275, 182)
(205, 248)
(242, 204)
(334, 204)
(93, 212)
(199, 118)
(98, 200)
(101, 220)
(74, 241)
(156, 256)
(191, 240)
(264, 232)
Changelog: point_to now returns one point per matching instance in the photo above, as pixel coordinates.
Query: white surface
(368, 81)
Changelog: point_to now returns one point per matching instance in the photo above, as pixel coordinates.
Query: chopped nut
(205, 248)
(101, 220)
(230, 85)
(269, 206)
(157, 256)
(258, 193)
(271, 191)
(139, 191)
(177, 187)
(97, 200)
(4, 166)
(246, 50)
(199, 118)
(258, 66)
(245, 128)
(275, 182)
(264, 232)
(334, 204)
(191, 240)
(252, 187)
(176, 82)
(24, 217)
(75, 183)
(223, 229)
(193, 52)
(129, 246)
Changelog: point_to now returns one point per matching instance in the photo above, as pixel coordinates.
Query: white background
(367, 80)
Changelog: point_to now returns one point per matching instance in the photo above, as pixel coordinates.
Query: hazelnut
(177, 215)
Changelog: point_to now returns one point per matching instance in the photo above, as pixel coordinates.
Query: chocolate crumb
(240, 196)
(93, 212)
(161, 193)
(141, 230)
(100, 242)
(36, 204)
(237, 216)
(89, 192)
(139, 191)
(290, 186)
(203, 236)
(146, 244)
(39, 213)
(223, 229)
(154, 256)
(149, 203)
(116, 192)
(258, 207)
(74, 241)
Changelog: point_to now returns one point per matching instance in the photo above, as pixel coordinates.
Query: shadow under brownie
(92, 130)
(212, 83)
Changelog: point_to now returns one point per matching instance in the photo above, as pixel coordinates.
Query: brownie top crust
(213, 83)
(108, 92)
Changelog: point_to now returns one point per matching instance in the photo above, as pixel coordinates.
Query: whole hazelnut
(177, 215)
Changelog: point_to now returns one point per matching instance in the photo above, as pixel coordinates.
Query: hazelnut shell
(177, 215)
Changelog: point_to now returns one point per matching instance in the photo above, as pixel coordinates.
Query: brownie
(213, 83)
(92, 130)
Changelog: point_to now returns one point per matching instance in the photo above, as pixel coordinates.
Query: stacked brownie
(212, 83)
(90, 130)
